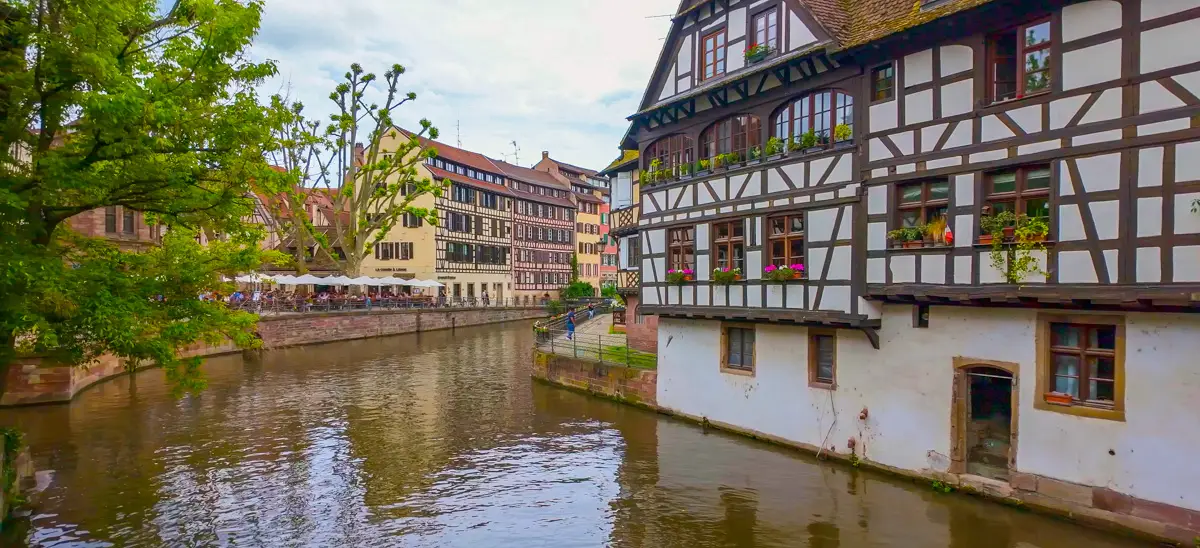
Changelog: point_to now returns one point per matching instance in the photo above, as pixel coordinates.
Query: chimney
(545, 154)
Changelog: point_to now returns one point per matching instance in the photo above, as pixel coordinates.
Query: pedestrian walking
(571, 325)
(485, 298)
(591, 310)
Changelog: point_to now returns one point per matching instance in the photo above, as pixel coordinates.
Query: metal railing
(604, 349)
(302, 305)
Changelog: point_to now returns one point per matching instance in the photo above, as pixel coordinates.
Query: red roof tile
(440, 173)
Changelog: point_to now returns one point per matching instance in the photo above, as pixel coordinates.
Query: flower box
(726, 276)
(783, 274)
(1058, 398)
(680, 277)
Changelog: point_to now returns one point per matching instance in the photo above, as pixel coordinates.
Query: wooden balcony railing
(624, 221)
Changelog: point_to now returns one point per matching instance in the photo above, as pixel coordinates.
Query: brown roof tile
(439, 173)
(870, 20)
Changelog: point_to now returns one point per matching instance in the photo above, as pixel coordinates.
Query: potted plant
(783, 274)
(992, 226)
(726, 275)
(755, 153)
(808, 141)
(756, 53)
(842, 132)
(702, 167)
(680, 277)
(685, 169)
(793, 144)
(718, 162)
(775, 146)
(935, 231)
(1058, 398)
(908, 237)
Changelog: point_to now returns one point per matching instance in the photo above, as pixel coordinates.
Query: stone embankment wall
(634, 386)
(30, 381)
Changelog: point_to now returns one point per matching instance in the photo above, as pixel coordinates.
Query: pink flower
(799, 267)
(688, 271)
(770, 268)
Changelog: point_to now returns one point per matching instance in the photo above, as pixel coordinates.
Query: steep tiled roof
(535, 177)
(870, 20)
(460, 156)
(464, 180)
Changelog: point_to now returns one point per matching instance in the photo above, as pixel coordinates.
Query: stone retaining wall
(30, 381)
(635, 386)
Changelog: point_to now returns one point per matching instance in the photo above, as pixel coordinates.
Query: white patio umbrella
(336, 280)
(307, 279)
(284, 279)
(365, 280)
(253, 278)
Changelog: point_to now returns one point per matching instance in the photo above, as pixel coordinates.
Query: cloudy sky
(557, 75)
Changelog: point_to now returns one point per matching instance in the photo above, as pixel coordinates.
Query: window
(737, 349)
(489, 200)
(714, 55)
(681, 248)
(1081, 365)
(921, 316)
(736, 134)
(1024, 191)
(883, 83)
(766, 29)
(818, 113)
(729, 244)
(1019, 61)
(920, 203)
(1084, 362)
(671, 151)
(110, 219)
(127, 220)
(463, 195)
(785, 237)
(633, 252)
(822, 358)
(406, 251)
(411, 221)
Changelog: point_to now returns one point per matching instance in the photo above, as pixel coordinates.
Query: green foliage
(755, 153)
(842, 132)
(574, 267)
(726, 276)
(808, 140)
(942, 487)
(108, 104)
(610, 292)
(368, 190)
(1196, 206)
(1016, 258)
(555, 307)
(907, 234)
(633, 358)
(774, 146)
(704, 165)
(854, 460)
(13, 442)
(578, 289)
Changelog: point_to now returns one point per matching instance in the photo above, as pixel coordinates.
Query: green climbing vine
(13, 442)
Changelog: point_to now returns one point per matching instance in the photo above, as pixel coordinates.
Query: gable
(681, 61)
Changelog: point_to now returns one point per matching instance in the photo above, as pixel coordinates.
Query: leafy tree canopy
(115, 104)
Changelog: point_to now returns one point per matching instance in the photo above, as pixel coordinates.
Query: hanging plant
(726, 276)
(1014, 240)
(908, 237)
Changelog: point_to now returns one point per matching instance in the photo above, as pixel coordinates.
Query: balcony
(624, 221)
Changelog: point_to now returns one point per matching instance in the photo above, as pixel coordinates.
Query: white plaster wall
(884, 116)
(956, 59)
(1160, 47)
(906, 388)
(737, 23)
(1108, 107)
(683, 59)
(918, 68)
(1090, 18)
(958, 98)
(798, 34)
(918, 107)
(1152, 97)
(1159, 8)
(1063, 110)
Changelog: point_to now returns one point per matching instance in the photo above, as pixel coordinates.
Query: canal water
(441, 439)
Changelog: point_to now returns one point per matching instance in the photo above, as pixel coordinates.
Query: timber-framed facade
(873, 143)
(543, 233)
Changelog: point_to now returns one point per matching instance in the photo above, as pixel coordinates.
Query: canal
(441, 439)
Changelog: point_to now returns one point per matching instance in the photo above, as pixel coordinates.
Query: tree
(370, 187)
(110, 104)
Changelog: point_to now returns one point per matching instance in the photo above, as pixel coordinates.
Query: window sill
(1080, 409)
(936, 248)
(1047, 243)
(736, 371)
(823, 385)
(1000, 105)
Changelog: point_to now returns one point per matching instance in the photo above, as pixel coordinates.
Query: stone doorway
(984, 429)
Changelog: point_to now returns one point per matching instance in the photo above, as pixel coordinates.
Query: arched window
(671, 151)
(733, 135)
(817, 113)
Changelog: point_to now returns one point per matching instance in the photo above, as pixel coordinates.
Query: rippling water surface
(442, 440)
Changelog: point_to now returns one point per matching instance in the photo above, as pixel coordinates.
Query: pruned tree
(115, 104)
(364, 163)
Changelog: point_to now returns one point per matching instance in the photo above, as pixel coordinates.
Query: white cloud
(557, 75)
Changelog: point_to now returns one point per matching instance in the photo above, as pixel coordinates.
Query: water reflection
(442, 440)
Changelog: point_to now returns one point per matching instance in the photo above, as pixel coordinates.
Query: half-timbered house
(543, 233)
(994, 203)
(641, 329)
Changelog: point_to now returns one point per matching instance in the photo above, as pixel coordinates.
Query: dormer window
(714, 54)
